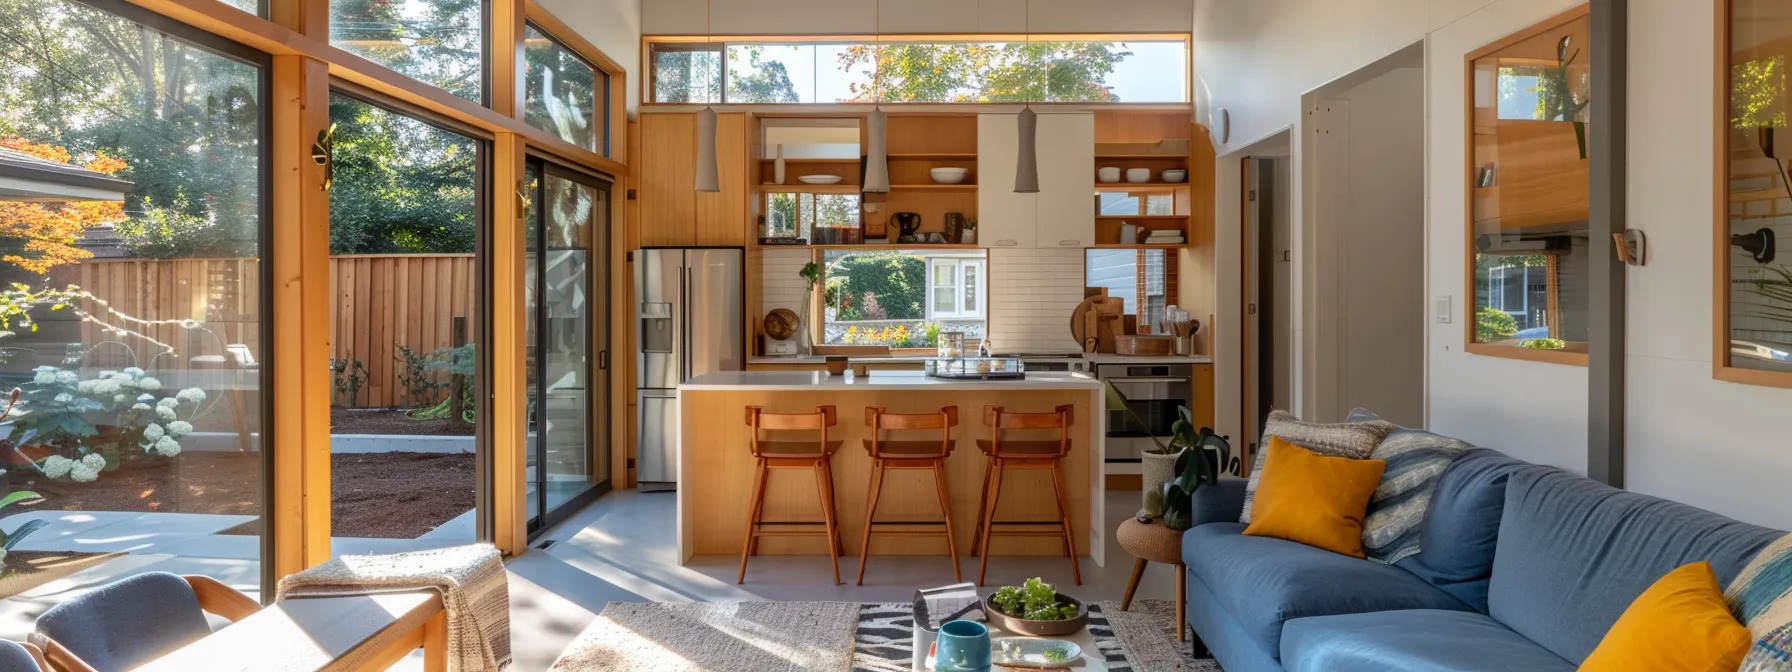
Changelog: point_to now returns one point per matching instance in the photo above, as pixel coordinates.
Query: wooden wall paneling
(300, 264)
(306, 17)
(930, 134)
(668, 175)
(1134, 126)
(628, 237)
(721, 216)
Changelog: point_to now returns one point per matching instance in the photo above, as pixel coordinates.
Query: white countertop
(1137, 359)
(1096, 358)
(879, 380)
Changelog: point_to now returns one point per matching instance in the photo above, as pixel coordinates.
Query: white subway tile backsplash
(1032, 293)
(780, 282)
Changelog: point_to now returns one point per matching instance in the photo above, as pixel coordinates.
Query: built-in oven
(1154, 393)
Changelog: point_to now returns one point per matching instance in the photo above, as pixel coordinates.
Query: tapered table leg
(1132, 584)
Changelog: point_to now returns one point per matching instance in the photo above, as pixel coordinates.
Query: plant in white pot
(1164, 464)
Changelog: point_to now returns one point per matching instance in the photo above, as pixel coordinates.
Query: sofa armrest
(1219, 502)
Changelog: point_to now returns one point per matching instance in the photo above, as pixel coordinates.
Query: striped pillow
(1761, 598)
(1350, 439)
(1416, 460)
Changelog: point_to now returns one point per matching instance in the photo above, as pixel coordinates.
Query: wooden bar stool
(909, 454)
(791, 454)
(1023, 455)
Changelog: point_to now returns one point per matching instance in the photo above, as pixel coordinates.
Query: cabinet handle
(1070, 243)
(1006, 243)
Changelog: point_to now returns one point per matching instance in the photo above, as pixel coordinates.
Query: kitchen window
(955, 288)
(902, 298)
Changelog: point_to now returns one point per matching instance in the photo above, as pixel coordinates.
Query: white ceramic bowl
(1138, 175)
(1177, 175)
(820, 179)
(1108, 174)
(947, 175)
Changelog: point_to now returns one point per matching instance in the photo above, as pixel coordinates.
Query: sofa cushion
(1419, 640)
(1463, 525)
(1263, 581)
(1314, 499)
(1394, 524)
(1574, 553)
(1680, 623)
(1354, 440)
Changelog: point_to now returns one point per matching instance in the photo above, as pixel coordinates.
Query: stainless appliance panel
(660, 310)
(1155, 394)
(657, 462)
(713, 279)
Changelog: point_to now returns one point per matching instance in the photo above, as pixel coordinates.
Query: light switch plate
(1444, 311)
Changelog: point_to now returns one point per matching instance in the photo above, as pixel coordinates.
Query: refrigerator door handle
(685, 345)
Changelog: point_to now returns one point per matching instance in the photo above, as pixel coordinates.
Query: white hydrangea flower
(152, 432)
(168, 447)
(56, 466)
(86, 386)
(180, 428)
(134, 371)
(44, 377)
(149, 384)
(81, 473)
(165, 412)
(94, 461)
(67, 377)
(107, 386)
(169, 402)
(63, 398)
(191, 394)
(108, 374)
(121, 399)
(146, 397)
(140, 407)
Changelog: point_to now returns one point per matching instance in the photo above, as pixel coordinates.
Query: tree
(981, 73)
(174, 233)
(440, 45)
(402, 186)
(40, 236)
(687, 77)
(768, 82)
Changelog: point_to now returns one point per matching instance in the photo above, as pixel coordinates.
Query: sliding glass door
(567, 333)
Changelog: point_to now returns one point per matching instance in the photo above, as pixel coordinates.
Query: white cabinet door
(1004, 218)
(1066, 203)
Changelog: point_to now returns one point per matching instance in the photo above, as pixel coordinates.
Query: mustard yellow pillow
(1680, 624)
(1314, 499)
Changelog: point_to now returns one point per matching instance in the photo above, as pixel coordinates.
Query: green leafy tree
(768, 81)
(687, 77)
(978, 73)
(435, 41)
(402, 186)
(1492, 324)
(173, 233)
(1758, 93)
(898, 281)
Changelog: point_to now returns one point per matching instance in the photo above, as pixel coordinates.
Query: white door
(1004, 218)
(1066, 205)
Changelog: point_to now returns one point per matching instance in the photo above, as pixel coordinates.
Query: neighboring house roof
(26, 177)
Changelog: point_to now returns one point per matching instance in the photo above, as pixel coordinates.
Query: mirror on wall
(1527, 177)
(1757, 205)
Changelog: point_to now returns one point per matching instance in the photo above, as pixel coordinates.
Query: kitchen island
(715, 462)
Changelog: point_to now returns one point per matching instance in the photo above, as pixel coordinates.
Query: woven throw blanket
(1393, 526)
(1761, 598)
(730, 637)
(475, 591)
(1354, 440)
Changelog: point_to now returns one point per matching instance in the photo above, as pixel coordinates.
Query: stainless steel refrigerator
(688, 308)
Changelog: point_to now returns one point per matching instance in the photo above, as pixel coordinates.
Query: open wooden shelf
(1147, 218)
(800, 188)
(1141, 246)
(933, 187)
(1141, 187)
(788, 161)
(879, 246)
(932, 156)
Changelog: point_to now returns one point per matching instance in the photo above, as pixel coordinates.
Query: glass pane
(531, 313)
(771, 73)
(970, 287)
(1530, 186)
(1118, 203)
(139, 355)
(438, 42)
(403, 229)
(251, 6)
(945, 301)
(1760, 296)
(959, 72)
(1145, 72)
(1141, 279)
(843, 74)
(781, 215)
(942, 275)
(1160, 204)
(561, 91)
(687, 73)
(569, 213)
(837, 210)
(880, 297)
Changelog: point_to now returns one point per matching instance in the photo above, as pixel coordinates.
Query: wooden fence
(202, 308)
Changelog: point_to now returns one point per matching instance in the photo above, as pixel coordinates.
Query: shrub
(1493, 325)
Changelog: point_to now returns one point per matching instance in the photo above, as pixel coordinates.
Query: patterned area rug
(1140, 640)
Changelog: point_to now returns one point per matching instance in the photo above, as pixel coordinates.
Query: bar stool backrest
(878, 420)
(761, 421)
(999, 419)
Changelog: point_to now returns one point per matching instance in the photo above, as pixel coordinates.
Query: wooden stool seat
(909, 454)
(1003, 455)
(790, 454)
(1152, 542)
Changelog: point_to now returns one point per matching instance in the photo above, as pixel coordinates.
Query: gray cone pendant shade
(1026, 168)
(877, 161)
(707, 178)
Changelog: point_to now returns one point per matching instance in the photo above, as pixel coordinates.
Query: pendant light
(877, 159)
(1026, 167)
(708, 176)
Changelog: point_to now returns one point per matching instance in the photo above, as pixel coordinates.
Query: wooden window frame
(1469, 173)
(1721, 369)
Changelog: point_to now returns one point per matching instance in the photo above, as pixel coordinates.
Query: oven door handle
(1144, 379)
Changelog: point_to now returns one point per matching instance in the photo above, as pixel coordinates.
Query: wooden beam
(508, 69)
(306, 17)
(301, 301)
(509, 348)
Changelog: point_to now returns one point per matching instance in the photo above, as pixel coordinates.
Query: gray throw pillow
(1354, 440)
(1416, 459)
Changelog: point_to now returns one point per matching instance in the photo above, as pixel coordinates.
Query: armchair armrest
(1218, 502)
(220, 599)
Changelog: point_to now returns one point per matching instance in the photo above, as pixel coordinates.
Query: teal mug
(963, 646)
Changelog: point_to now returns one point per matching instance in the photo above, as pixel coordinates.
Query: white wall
(614, 27)
(798, 17)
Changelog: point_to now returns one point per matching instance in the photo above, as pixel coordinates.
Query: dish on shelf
(1138, 175)
(819, 179)
(947, 175)
(1174, 175)
(1108, 174)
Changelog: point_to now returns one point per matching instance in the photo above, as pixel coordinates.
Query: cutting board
(1096, 322)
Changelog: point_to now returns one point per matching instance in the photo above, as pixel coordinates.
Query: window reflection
(439, 42)
(1760, 198)
(562, 91)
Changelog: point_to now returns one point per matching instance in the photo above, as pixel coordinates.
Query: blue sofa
(1523, 568)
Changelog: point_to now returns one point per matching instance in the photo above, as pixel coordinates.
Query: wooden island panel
(716, 472)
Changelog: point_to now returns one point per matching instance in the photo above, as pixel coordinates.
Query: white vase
(1157, 470)
(778, 167)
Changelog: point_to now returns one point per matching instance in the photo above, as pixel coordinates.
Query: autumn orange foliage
(47, 231)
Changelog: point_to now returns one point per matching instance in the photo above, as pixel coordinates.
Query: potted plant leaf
(1209, 457)
(1156, 466)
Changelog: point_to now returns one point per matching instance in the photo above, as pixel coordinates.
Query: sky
(1156, 72)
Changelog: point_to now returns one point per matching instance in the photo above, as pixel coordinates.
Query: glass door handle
(603, 360)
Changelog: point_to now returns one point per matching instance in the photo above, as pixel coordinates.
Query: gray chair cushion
(1573, 553)
(1264, 581)
(1411, 641)
(127, 623)
(1463, 526)
(14, 658)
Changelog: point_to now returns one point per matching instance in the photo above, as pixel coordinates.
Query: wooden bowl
(1021, 626)
(1144, 345)
(836, 365)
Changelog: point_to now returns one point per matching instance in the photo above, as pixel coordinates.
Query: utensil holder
(1185, 345)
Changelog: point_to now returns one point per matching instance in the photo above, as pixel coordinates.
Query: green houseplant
(1210, 456)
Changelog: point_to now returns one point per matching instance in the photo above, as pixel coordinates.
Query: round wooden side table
(1152, 542)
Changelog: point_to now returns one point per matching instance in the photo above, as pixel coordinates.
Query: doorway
(567, 334)
(1268, 286)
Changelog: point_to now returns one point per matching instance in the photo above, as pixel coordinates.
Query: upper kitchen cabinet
(1062, 214)
(673, 213)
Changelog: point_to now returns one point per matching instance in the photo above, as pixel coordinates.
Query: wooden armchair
(134, 620)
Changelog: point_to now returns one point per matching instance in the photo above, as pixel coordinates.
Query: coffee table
(1092, 658)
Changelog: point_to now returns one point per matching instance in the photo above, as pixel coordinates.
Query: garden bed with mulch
(392, 421)
(384, 495)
